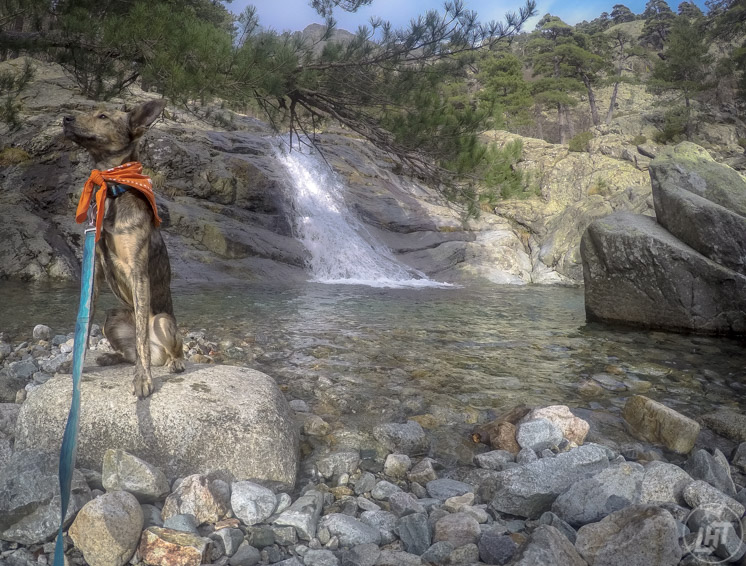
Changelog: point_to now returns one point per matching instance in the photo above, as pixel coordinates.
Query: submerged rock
(654, 422)
(687, 271)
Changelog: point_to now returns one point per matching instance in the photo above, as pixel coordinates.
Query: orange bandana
(129, 174)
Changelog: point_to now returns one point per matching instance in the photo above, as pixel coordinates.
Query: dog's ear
(142, 116)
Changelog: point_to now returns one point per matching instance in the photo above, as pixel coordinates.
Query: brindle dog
(131, 254)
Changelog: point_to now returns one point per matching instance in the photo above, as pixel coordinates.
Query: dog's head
(111, 136)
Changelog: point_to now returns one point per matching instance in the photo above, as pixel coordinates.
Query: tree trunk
(612, 103)
(561, 120)
(591, 101)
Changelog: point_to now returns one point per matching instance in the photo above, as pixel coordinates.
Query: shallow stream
(361, 355)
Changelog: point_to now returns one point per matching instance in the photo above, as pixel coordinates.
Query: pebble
(458, 529)
(538, 434)
(366, 507)
(251, 502)
(445, 488)
(397, 465)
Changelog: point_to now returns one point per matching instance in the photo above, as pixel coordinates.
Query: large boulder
(210, 418)
(637, 273)
(702, 203)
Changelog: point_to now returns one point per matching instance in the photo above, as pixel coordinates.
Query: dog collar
(92, 201)
(115, 191)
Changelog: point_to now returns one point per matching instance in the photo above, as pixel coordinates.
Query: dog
(131, 254)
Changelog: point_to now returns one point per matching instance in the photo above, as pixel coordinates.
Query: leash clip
(92, 212)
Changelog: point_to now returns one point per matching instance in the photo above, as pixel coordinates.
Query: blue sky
(282, 15)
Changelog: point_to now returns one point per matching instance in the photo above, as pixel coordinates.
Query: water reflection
(362, 355)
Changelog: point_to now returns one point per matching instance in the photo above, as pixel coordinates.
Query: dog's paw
(176, 366)
(142, 385)
(110, 359)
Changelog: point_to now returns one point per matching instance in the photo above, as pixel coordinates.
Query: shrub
(580, 142)
(675, 126)
(639, 139)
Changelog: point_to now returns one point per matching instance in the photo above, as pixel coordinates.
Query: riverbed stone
(8, 417)
(445, 488)
(365, 483)
(384, 489)
(205, 497)
(458, 529)
(350, 530)
(185, 522)
(398, 558)
(360, 555)
(41, 332)
(638, 535)
(664, 483)
(230, 539)
(546, 545)
(538, 434)
(422, 472)
(573, 428)
(407, 438)
(529, 490)
(397, 465)
(303, 514)
(438, 553)
(30, 500)
(654, 422)
(403, 503)
(123, 471)
(320, 558)
(246, 555)
(251, 502)
(700, 493)
(384, 521)
(338, 463)
(414, 532)
(496, 547)
(728, 423)
(558, 523)
(494, 460)
(712, 468)
(591, 499)
(238, 419)
(159, 545)
(107, 529)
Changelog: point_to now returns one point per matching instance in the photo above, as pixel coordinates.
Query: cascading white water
(341, 249)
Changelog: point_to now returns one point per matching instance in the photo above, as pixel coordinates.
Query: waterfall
(341, 249)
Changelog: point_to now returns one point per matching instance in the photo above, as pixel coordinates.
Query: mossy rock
(13, 156)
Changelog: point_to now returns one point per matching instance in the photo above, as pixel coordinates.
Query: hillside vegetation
(424, 94)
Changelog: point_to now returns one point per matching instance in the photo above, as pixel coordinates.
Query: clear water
(360, 355)
(341, 250)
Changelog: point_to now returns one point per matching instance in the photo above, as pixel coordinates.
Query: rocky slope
(228, 215)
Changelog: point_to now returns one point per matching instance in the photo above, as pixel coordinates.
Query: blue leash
(70, 438)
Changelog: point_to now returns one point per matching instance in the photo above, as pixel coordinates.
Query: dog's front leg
(143, 382)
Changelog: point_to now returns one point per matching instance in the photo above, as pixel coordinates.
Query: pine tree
(555, 87)
(504, 88)
(684, 70)
(690, 10)
(620, 14)
(658, 20)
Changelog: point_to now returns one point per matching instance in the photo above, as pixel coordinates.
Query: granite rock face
(687, 270)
